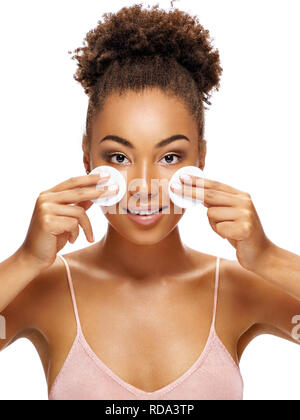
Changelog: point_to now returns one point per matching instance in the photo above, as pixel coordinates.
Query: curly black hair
(136, 48)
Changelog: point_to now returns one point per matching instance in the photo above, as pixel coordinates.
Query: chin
(143, 235)
(148, 239)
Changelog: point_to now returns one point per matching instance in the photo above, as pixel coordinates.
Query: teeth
(144, 213)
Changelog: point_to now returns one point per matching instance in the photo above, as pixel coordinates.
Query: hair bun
(132, 33)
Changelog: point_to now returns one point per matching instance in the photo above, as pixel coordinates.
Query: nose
(143, 184)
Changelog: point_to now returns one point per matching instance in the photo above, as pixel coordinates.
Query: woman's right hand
(57, 214)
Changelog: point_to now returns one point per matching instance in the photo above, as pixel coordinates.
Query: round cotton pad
(183, 200)
(115, 178)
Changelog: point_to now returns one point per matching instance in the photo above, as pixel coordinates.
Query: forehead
(147, 111)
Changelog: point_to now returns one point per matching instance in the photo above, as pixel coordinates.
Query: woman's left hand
(232, 215)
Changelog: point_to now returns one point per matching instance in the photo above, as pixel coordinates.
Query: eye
(170, 158)
(120, 158)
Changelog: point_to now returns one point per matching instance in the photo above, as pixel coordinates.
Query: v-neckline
(138, 391)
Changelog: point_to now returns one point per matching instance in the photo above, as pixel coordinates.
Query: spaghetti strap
(72, 292)
(216, 289)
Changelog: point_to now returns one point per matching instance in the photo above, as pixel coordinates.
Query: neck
(167, 257)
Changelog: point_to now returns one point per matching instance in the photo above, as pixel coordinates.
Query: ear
(86, 155)
(202, 153)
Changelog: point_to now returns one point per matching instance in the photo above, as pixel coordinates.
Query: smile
(146, 218)
(145, 212)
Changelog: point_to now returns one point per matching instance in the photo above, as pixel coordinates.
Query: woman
(139, 315)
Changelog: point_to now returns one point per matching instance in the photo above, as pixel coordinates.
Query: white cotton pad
(183, 200)
(115, 178)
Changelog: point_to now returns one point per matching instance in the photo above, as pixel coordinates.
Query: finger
(74, 235)
(56, 225)
(221, 198)
(79, 181)
(188, 191)
(77, 195)
(219, 229)
(221, 214)
(76, 212)
(208, 183)
(215, 198)
(85, 204)
(230, 230)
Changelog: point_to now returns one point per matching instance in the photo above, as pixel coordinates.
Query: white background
(252, 130)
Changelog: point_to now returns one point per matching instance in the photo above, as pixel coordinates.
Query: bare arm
(233, 216)
(55, 220)
(16, 272)
(27, 314)
(272, 309)
(281, 268)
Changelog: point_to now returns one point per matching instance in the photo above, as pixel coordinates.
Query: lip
(145, 220)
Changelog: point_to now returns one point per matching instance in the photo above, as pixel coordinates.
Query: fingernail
(176, 186)
(185, 177)
(103, 173)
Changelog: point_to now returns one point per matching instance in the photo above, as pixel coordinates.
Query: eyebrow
(127, 143)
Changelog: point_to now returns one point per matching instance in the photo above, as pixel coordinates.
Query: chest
(149, 337)
(149, 344)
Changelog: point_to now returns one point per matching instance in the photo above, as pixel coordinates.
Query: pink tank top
(83, 376)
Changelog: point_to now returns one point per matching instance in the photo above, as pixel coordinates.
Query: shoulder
(252, 305)
(40, 302)
(236, 295)
(231, 274)
(250, 295)
(270, 309)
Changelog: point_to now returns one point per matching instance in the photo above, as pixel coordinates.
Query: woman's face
(144, 120)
